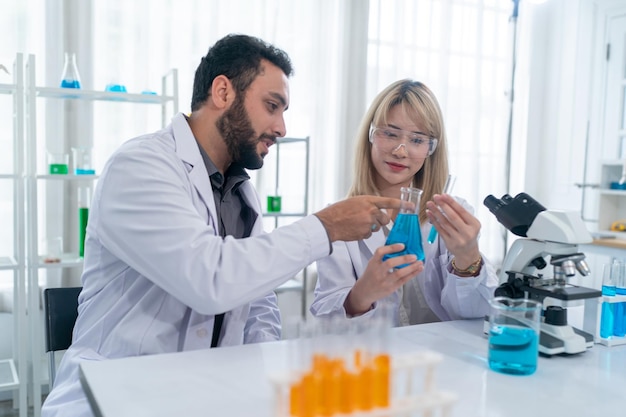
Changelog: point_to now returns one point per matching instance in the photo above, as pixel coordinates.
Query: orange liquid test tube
(334, 385)
(347, 392)
(309, 395)
(382, 381)
(296, 400)
(322, 382)
(366, 385)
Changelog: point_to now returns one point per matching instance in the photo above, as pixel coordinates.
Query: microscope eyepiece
(516, 214)
(493, 203)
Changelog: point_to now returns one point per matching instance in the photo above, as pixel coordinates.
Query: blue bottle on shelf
(70, 78)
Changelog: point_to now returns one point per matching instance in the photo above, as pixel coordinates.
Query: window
(460, 49)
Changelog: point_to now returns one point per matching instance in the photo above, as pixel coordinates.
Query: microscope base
(554, 340)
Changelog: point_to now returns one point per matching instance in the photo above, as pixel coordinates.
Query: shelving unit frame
(32, 178)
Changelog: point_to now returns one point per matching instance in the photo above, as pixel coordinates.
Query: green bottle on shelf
(84, 199)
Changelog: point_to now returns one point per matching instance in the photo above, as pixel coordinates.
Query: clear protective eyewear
(388, 139)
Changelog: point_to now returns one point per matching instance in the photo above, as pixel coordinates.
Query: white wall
(560, 67)
(559, 100)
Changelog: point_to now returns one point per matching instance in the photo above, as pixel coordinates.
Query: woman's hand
(381, 278)
(457, 227)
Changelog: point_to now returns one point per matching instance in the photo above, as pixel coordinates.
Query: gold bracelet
(470, 270)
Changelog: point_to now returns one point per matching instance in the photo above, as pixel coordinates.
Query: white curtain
(461, 49)
(135, 42)
(343, 52)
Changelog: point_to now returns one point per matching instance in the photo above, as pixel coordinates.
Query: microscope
(548, 235)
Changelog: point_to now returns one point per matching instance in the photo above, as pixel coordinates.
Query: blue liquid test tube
(447, 189)
(607, 319)
(619, 309)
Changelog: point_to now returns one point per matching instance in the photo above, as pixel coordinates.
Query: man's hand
(356, 218)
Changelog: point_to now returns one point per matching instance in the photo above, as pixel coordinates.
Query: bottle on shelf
(84, 201)
(58, 163)
(81, 157)
(70, 78)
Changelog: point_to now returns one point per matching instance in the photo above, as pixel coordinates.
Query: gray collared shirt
(235, 217)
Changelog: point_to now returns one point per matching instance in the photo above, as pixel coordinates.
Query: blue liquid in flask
(116, 88)
(406, 230)
(70, 84)
(513, 350)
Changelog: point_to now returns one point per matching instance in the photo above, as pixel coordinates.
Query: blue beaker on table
(514, 326)
(406, 228)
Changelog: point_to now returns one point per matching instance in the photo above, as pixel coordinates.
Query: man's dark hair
(238, 57)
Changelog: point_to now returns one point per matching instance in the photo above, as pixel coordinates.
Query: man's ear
(222, 92)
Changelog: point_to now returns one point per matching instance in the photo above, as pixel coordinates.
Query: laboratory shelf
(61, 202)
(66, 260)
(7, 88)
(79, 93)
(611, 191)
(67, 177)
(7, 262)
(8, 177)
(8, 375)
(280, 214)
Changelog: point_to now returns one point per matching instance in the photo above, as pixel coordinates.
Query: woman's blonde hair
(421, 105)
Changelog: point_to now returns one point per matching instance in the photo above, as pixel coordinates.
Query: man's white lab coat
(157, 271)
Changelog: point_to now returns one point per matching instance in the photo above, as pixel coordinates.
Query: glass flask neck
(410, 200)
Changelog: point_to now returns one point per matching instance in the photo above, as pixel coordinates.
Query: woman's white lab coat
(156, 271)
(448, 296)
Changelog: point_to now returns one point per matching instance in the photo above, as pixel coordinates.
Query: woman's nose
(396, 150)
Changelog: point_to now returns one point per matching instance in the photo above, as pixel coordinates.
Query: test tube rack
(401, 400)
(613, 340)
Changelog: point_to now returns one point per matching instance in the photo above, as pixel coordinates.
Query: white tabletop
(234, 381)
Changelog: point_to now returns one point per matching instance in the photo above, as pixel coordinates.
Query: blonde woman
(402, 143)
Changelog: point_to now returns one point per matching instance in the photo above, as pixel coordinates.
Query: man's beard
(239, 136)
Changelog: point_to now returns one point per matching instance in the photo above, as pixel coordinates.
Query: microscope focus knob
(555, 315)
(539, 263)
(510, 290)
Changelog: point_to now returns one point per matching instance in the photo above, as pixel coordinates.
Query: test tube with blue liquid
(447, 189)
(406, 228)
(619, 309)
(607, 319)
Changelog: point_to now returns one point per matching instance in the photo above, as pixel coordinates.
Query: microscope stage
(566, 293)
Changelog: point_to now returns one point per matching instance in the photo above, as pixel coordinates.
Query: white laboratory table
(234, 381)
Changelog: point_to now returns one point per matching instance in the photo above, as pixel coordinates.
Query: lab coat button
(202, 333)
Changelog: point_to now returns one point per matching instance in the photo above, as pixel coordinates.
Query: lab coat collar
(188, 151)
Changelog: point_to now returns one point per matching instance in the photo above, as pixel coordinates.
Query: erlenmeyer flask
(70, 78)
(406, 228)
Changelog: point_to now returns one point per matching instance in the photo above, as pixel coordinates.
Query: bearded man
(176, 257)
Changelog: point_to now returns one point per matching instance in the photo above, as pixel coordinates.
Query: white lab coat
(448, 296)
(157, 271)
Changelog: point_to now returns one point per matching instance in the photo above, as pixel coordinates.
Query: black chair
(61, 311)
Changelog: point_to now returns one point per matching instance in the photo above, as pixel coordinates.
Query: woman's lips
(396, 167)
